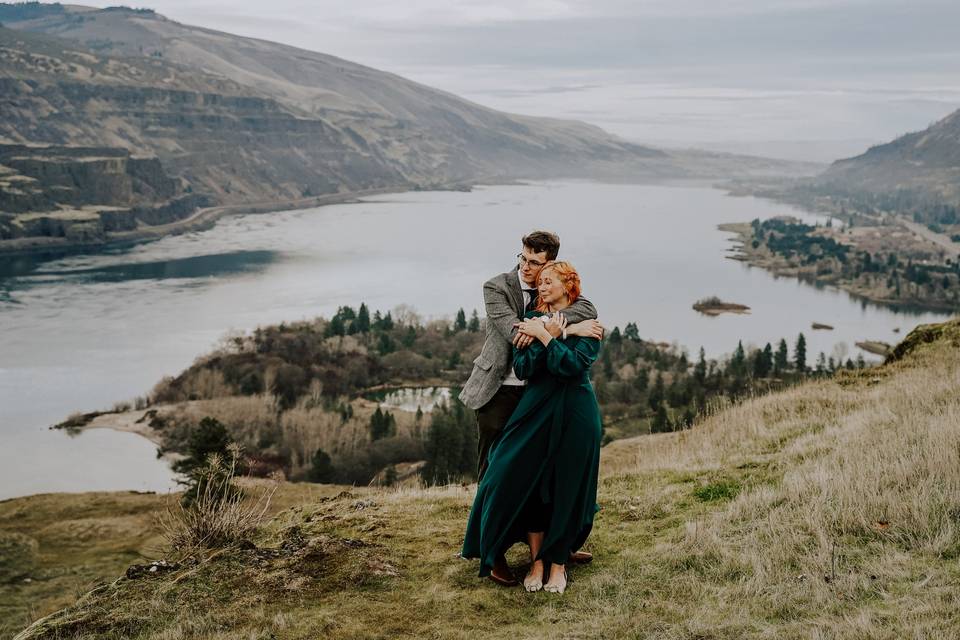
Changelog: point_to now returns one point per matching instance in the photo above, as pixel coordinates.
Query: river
(80, 332)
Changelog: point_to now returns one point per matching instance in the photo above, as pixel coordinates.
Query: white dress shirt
(512, 378)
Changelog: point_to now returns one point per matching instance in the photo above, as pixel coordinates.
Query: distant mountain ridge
(927, 162)
(300, 122)
(247, 122)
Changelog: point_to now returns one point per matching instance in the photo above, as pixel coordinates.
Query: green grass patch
(717, 491)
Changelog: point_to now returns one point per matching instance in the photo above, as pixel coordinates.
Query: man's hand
(586, 329)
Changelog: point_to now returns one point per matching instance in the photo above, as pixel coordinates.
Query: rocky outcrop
(79, 176)
(82, 194)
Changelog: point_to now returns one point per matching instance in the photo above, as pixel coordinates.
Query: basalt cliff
(241, 121)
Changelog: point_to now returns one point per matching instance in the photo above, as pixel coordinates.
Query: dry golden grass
(829, 511)
(859, 503)
(219, 514)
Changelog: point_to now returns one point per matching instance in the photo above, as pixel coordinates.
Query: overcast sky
(756, 75)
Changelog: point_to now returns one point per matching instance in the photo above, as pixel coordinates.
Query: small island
(714, 306)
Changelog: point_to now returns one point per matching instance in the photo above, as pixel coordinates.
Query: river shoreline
(743, 251)
(200, 220)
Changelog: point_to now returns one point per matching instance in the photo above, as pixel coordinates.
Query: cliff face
(246, 120)
(79, 176)
(81, 194)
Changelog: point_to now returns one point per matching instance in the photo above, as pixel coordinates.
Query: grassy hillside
(829, 510)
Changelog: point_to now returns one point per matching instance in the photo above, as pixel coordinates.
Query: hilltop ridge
(827, 510)
(918, 167)
(245, 121)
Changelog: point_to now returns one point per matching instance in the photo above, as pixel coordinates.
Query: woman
(541, 482)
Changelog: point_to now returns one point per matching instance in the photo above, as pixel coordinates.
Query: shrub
(217, 514)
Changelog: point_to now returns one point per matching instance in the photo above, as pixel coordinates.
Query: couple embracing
(538, 419)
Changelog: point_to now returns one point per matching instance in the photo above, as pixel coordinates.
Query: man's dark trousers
(492, 418)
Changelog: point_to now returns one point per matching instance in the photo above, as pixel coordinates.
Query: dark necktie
(532, 304)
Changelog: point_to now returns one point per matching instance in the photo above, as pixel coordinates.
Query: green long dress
(542, 473)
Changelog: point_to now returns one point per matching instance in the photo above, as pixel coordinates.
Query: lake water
(413, 398)
(81, 332)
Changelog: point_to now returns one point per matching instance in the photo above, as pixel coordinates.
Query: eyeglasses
(536, 264)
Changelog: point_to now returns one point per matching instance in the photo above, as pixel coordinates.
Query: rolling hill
(245, 120)
(926, 163)
(826, 511)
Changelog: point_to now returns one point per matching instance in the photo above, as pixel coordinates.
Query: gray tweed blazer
(503, 299)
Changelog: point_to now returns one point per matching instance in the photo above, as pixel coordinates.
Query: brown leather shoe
(581, 557)
(501, 573)
(503, 582)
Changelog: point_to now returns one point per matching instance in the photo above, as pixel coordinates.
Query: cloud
(687, 70)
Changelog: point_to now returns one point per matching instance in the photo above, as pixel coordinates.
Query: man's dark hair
(543, 241)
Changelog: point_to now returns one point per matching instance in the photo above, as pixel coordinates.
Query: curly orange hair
(568, 276)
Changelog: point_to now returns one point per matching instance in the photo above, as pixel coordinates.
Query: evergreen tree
(767, 359)
(362, 323)
(377, 320)
(451, 447)
(387, 322)
(616, 339)
(642, 379)
(631, 332)
(800, 354)
(606, 364)
(738, 363)
(474, 325)
(208, 438)
(757, 364)
(821, 364)
(700, 369)
(781, 360)
(661, 422)
(382, 424)
(321, 468)
(657, 393)
(335, 327)
(385, 344)
(460, 324)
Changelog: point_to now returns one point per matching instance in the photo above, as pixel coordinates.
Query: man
(493, 391)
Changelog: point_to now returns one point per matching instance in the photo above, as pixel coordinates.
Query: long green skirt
(542, 473)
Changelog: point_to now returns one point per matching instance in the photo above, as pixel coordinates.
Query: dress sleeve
(527, 361)
(570, 360)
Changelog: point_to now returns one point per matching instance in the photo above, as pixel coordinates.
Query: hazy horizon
(805, 79)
